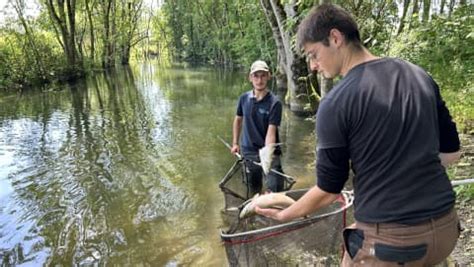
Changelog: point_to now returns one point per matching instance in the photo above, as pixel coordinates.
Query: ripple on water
(20, 239)
(163, 201)
(106, 173)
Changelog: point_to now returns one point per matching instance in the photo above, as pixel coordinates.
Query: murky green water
(122, 169)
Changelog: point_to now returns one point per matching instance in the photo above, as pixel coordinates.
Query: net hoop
(346, 200)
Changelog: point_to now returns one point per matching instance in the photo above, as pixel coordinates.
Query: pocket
(398, 254)
(353, 241)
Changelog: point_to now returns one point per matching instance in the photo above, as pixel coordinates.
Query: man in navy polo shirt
(258, 116)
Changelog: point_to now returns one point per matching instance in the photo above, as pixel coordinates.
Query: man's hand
(270, 213)
(310, 202)
(235, 149)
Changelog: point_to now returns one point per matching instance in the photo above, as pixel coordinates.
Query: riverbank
(463, 254)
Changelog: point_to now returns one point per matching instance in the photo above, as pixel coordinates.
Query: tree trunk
(125, 54)
(414, 13)
(106, 40)
(441, 8)
(416, 7)
(293, 65)
(325, 84)
(129, 26)
(406, 3)
(280, 74)
(451, 7)
(64, 18)
(113, 36)
(40, 70)
(91, 29)
(426, 10)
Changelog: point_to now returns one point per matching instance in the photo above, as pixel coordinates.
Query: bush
(27, 63)
(443, 47)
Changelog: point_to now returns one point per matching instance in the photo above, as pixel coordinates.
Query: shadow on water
(122, 168)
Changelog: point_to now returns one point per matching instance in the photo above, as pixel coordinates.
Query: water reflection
(122, 168)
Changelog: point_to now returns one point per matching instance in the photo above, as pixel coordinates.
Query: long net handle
(462, 182)
(289, 179)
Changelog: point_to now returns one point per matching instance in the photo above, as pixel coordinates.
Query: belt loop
(377, 228)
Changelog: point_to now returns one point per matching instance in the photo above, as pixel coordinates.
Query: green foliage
(224, 33)
(20, 67)
(461, 106)
(38, 49)
(377, 21)
(443, 46)
(465, 192)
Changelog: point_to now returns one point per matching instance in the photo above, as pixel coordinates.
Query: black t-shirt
(387, 117)
(257, 116)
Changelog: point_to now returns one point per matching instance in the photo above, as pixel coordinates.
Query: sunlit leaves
(218, 32)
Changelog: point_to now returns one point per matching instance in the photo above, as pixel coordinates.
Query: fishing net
(314, 240)
(235, 184)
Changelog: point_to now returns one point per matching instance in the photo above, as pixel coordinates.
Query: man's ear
(336, 37)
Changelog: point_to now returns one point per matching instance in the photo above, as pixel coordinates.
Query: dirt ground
(463, 254)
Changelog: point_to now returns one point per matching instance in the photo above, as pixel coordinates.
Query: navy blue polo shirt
(257, 116)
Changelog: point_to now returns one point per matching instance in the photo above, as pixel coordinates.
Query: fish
(270, 200)
(266, 157)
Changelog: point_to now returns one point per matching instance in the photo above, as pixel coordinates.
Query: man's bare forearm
(449, 158)
(237, 125)
(310, 202)
(270, 138)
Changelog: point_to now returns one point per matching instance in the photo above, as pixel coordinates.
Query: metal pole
(290, 180)
(462, 182)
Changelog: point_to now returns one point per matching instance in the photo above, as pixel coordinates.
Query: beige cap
(259, 65)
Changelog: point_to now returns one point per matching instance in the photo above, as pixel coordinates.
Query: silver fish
(271, 200)
(266, 157)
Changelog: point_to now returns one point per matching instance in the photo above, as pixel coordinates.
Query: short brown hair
(316, 26)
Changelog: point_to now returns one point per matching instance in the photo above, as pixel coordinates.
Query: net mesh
(314, 240)
(235, 185)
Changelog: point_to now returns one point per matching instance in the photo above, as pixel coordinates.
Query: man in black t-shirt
(258, 117)
(387, 118)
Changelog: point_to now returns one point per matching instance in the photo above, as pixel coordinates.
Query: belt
(439, 219)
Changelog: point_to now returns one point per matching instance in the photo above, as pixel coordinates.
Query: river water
(122, 168)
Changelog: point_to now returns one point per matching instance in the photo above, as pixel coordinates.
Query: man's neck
(260, 94)
(355, 57)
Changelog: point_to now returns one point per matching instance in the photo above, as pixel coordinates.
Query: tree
(290, 62)
(63, 15)
(325, 84)
(19, 6)
(426, 10)
(108, 37)
(130, 16)
(406, 4)
(89, 6)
